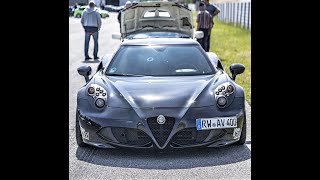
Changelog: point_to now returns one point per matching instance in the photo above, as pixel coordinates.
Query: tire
(78, 16)
(78, 133)
(243, 135)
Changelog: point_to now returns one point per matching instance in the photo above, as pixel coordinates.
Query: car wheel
(78, 133)
(243, 135)
(78, 16)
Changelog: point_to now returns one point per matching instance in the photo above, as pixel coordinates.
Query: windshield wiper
(132, 75)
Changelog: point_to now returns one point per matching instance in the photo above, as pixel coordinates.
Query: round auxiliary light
(91, 90)
(230, 88)
(100, 103)
(222, 101)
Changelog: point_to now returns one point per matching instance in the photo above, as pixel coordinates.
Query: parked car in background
(78, 12)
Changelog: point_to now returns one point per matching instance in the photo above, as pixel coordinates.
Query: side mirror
(116, 35)
(85, 71)
(236, 69)
(198, 34)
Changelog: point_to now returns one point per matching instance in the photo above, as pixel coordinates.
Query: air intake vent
(190, 136)
(126, 136)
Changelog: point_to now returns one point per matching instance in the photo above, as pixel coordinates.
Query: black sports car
(160, 93)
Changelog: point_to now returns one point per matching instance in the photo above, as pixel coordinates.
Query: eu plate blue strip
(198, 123)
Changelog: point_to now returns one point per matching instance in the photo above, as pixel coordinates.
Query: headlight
(224, 89)
(100, 103)
(96, 90)
(99, 95)
(222, 94)
(91, 90)
(230, 88)
(222, 101)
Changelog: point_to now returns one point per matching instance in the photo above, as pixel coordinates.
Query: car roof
(158, 41)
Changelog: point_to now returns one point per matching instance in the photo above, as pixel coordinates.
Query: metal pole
(244, 17)
(234, 13)
(232, 5)
(227, 12)
(229, 4)
(241, 16)
(249, 6)
(237, 14)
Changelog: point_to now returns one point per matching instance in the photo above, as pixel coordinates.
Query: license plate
(216, 123)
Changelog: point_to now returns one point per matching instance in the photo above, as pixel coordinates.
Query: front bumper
(133, 132)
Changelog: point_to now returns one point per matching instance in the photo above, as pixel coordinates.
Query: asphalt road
(231, 162)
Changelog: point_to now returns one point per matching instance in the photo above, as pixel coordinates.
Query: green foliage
(232, 45)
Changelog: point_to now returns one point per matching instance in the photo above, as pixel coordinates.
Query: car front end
(156, 93)
(159, 127)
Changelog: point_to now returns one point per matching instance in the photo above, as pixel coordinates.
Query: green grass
(233, 45)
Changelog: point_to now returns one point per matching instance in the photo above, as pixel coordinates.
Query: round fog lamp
(91, 90)
(99, 103)
(230, 88)
(222, 101)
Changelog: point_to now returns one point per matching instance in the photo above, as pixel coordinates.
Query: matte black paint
(85, 71)
(236, 69)
(131, 100)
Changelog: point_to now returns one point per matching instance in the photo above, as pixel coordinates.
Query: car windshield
(162, 60)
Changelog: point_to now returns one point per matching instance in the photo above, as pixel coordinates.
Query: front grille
(190, 136)
(161, 132)
(127, 136)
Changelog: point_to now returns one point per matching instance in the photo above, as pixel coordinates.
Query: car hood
(156, 16)
(158, 92)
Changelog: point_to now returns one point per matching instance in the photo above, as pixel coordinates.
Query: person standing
(204, 24)
(213, 10)
(127, 4)
(75, 6)
(91, 22)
